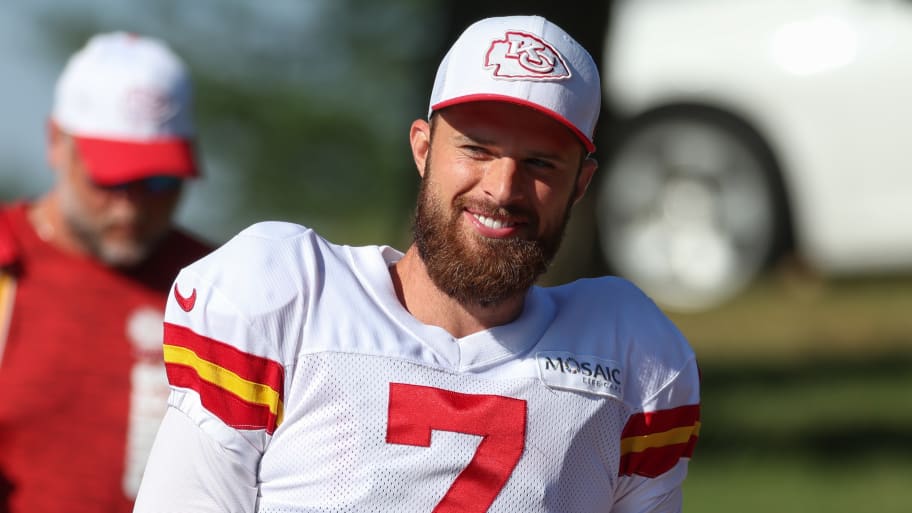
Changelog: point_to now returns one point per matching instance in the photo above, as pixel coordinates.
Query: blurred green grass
(793, 485)
(788, 317)
(807, 398)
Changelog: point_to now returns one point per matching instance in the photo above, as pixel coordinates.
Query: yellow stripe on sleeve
(671, 437)
(223, 378)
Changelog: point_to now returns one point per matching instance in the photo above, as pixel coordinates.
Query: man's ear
(587, 171)
(58, 147)
(420, 139)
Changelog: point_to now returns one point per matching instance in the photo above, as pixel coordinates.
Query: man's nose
(124, 203)
(503, 181)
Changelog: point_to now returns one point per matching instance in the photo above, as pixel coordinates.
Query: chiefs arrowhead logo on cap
(525, 60)
(520, 55)
(148, 106)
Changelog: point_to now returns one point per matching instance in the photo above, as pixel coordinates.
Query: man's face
(121, 225)
(498, 184)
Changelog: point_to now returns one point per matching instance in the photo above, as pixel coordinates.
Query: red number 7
(415, 411)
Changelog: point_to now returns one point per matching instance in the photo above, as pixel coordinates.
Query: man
(307, 376)
(84, 273)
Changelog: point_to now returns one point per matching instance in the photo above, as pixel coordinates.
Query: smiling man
(309, 376)
(488, 225)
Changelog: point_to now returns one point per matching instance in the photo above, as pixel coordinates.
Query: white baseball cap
(127, 102)
(526, 60)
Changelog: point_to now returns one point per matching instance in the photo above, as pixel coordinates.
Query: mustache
(491, 209)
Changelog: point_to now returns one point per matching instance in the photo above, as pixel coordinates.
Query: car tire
(691, 207)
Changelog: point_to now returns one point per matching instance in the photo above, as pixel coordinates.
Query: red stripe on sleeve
(662, 420)
(233, 410)
(250, 367)
(655, 461)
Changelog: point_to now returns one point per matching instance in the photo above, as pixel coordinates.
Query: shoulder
(615, 303)
(264, 268)
(266, 236)
(253, 252)
(611, 320)
(275, 231)
(267, 247)
(247, 293)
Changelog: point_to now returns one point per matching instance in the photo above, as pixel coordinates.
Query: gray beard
(119, 255)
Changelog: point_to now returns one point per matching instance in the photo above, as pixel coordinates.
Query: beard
(121, 254)
(473, 269)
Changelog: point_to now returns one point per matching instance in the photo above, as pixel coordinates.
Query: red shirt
(82, 383)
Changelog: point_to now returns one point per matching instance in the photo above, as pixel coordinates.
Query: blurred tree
(303, 106)
(585, 21)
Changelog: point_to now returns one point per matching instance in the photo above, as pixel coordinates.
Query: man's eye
(476, 150)
(539, 163)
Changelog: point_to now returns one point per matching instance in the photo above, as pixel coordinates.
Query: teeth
(492, 223)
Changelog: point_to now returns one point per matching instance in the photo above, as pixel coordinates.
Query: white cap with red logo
(526, 60)
(127, 100)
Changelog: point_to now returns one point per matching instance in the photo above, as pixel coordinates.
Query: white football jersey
(294, 360)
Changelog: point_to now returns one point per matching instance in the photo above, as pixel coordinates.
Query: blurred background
(755, 180)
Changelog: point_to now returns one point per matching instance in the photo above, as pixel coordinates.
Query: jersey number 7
(415, 411)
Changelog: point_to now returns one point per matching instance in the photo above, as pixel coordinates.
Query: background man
(308, 376)
(84, 271)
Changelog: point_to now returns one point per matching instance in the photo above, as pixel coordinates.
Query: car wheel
(689, 208)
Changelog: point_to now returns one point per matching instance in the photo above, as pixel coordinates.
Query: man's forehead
(493, 122)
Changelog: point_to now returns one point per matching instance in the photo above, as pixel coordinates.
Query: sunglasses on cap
(152, 184)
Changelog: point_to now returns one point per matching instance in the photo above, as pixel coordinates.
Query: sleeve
(657, 444)
(225, 374)
(229, 321)
(205, 478)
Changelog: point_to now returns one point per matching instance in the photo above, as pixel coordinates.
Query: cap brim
(587, 143)
(113, 162)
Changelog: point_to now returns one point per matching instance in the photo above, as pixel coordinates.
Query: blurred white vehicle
(752, 127)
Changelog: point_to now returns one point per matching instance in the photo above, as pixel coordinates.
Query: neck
(427, 303)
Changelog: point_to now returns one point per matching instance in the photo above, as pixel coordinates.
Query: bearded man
(308, 376)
